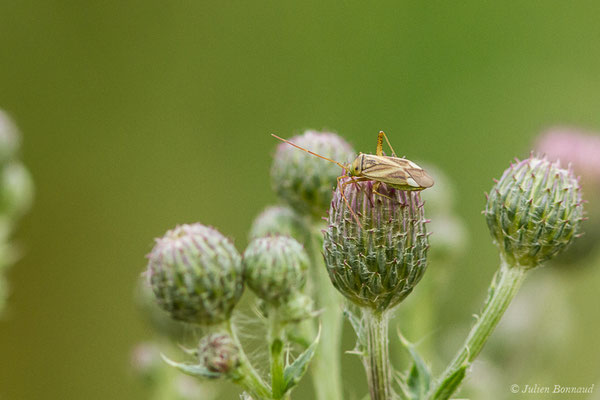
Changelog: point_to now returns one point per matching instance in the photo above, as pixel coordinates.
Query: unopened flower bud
(576, 147)
(218, 353)
(196, 274)
(145, 359)
(378, 262)
(580, 149)
(297, 308)
(304, 181)
(3, 292)
(449, 234)
(534, 211)
(275, 268)
(278, 220)
(16, 190)
(440, 198)
(9, 138)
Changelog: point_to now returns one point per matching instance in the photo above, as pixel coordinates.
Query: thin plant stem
(503, 289)
(276, 352)
(376, 359)
(325, 368)
(249, 378)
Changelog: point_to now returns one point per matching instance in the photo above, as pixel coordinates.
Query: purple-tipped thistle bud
(303, 181)
(378, 262)
(218, 353)
(196, 274)
(278, 220)
(534, 211)
(145, 360)
(275, 268)
(580, 150)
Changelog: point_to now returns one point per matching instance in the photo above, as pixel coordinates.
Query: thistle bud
(275, 268)
(534, 211)
(218, 353)
(378, 262)
(9, 138)
(296, 309)
(145, 360)
(449, 234)
(580, 150)
(304, 181)
(196, 274)
(3, 292)
(16, 190)
(441, 198)
(278, 220)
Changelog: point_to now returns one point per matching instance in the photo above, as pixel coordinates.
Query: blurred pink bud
(575, 146)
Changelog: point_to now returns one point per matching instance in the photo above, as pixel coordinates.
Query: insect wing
(397, 172)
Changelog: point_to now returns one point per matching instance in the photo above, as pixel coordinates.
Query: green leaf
(195, 370)
(294, 372)
(447, 387)
(359, 330)
(419, 375)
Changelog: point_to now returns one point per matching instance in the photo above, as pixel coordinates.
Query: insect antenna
(310, 152)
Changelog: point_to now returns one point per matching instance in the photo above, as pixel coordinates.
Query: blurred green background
(139, 115)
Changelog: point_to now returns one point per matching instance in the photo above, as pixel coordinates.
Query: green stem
(503, 289)
(376, 360)
(249, 378)
(325, 368)
(276, 340)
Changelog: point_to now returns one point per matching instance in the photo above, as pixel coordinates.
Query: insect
(394, 171)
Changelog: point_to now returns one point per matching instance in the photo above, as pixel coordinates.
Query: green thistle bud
(278, 220)
(3, 292)
(534, 211)
(196, 274)
(378, 263)
(16, 190)
(297, 308)
(218, 353)
(9, 138)
(449, 234)
(275, 268)
(304, 181)
(441, 198)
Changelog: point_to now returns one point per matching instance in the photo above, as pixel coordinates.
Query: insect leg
(379, 144)
(376, 186)
(360, 188)
(342, 192)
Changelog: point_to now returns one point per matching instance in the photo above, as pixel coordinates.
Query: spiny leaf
(189, 351)
(294, 372)
(359, 330)
(446, 388)
(419, 375)
(195, 370)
